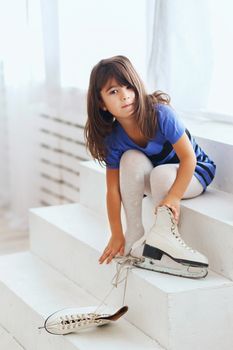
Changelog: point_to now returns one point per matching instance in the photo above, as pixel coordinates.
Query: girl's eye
(112, 92)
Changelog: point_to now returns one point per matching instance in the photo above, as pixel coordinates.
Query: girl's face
(118, 100)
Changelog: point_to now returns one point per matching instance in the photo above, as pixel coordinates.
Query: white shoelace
(176, 233)
(79, 320)
(123, 264)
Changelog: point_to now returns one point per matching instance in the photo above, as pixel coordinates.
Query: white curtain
(180, 51)
(23, 84)
(4, 183)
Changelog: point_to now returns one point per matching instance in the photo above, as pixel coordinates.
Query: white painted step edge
(8, 341)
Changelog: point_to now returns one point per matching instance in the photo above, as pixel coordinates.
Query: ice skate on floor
(163, 250)
(71, 320)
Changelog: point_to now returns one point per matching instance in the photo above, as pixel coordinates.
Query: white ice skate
(71, 320)
(165, 251)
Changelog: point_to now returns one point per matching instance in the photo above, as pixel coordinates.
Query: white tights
(139, 177)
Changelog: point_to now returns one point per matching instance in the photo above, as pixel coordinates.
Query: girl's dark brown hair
(100, 123)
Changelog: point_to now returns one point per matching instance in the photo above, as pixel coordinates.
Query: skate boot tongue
(165, 220)
(162, 213)
(174, 228)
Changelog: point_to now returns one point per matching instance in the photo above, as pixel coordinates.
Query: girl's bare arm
(187, 157)
(113, 200)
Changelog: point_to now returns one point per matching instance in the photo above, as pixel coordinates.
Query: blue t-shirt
(159, 149)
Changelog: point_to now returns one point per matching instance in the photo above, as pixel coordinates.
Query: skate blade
(169, 266)
(156, 254)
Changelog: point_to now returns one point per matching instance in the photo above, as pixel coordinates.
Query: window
(21, 47)
(220, 97)
(92, 30)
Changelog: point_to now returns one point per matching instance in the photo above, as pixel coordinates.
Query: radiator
(61, 148)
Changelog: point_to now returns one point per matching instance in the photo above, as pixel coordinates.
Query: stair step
(31, 290)
(80, 235)
(7, 341)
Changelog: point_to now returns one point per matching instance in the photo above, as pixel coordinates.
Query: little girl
(147, 151)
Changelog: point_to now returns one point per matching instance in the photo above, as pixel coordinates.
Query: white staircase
(7, 341)
(62, 270)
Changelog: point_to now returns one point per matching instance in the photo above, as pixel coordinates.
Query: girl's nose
(125, 95)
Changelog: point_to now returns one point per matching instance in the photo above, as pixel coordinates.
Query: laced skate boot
(165, 251)
(72, 320)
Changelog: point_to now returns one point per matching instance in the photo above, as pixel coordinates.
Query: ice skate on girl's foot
(165, 251)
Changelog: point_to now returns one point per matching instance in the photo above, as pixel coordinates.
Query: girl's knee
(132, 156)
(163, 176)
(135, 166)
(136, 161)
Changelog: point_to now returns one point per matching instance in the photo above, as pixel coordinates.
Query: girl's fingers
(103, 257)
(109, 254)
(122, 251)
(175, 212)
(176, 215)
(107, 248)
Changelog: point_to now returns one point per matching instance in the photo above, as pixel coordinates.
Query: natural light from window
(92, 30)
(220, 98)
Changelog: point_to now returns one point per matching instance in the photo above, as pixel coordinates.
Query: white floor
(11, 240)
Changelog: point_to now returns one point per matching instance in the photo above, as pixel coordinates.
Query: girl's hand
(174, 204)
(115, 245)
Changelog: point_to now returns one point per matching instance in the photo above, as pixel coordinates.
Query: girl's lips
(125, 106)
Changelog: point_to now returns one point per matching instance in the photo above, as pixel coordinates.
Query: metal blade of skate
(168, 266)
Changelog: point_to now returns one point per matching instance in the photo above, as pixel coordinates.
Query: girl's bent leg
(135, 169)
(162, 178)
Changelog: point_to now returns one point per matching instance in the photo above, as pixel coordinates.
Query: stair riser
(215, 329)
(79, 263)
(92, 188)
(211, 237)
(222, 154)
